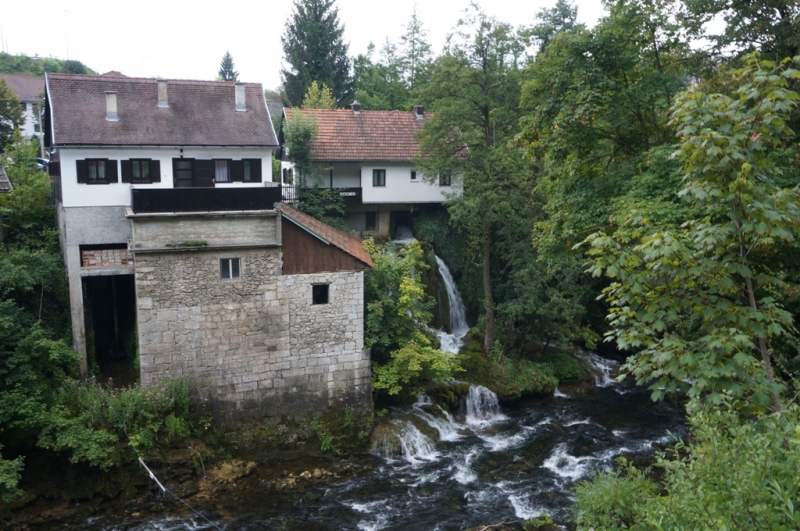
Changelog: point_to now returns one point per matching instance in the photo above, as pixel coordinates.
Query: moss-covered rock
(540, 523)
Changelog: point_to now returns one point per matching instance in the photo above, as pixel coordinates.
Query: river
(485, 464)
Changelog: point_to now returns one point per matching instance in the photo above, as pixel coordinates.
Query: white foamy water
(464, 473)
(403, 235)
(524, 507)
(602, 368)
(417, 448)
(559, 394)
(565, 465)
(447, 427)
(483, 408)
(458, 313)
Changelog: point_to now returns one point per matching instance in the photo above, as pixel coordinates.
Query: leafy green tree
(397, 312)
(559, 18)
(226, 69)
(769, 26)
(475, 90)
(314, 49)
(698, 304)
(318, 97)
(10, 114)
(415, 53)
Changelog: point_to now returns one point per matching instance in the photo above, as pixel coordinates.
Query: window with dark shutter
(252, 170)
(126, 170)
(96, 171)
(237, 170)
(155, 171)
(203, 174)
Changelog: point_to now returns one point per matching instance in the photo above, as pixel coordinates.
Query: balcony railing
(351, 196)
(153, 200)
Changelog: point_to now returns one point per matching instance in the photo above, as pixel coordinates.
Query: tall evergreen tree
(226, 72)
(314, 50)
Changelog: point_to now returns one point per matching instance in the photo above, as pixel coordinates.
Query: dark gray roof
(200, 113)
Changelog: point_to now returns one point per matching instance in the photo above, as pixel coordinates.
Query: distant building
(175, 242)
(368, 155)
(28, 90)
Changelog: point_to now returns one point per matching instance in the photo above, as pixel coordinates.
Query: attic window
(319, 293)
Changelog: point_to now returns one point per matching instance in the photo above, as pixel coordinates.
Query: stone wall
(254, 346)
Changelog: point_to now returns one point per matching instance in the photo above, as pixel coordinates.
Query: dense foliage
(404, 351)
(11, 117)
(44, 406)
(36, 66)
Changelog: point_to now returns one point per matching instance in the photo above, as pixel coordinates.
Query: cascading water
(458, 313)
(502, 466)
(602, 368)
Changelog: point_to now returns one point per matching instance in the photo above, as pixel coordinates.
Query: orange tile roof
(348, 243)
(368, 135)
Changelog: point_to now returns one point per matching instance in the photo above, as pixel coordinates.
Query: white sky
(177, 39)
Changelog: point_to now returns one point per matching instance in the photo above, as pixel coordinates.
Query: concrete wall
(399, 186)
(119, 193)
(157, 231)
(255, 346)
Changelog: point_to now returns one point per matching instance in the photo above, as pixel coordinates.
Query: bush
(738, 474)
(562, 366)
(614, 500)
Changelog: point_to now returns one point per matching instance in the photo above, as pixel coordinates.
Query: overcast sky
(177, 39)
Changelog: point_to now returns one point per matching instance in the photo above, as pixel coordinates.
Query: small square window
(229, 268)
(445, 179)
(413, 175)
(319, 294)
(378, 177)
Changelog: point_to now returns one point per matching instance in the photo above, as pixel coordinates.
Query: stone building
(177, 245)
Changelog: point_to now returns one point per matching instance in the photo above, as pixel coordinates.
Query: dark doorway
(401, 223)
(111, 338)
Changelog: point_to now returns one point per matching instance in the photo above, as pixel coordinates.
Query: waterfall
(416, 446)
(602, 368)
(447, 428)
(403, 235)
(458, 314)
(482, 406)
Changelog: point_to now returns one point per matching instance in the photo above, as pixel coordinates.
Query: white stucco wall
(399, 186)
(80, 195)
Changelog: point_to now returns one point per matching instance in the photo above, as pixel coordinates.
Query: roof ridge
(126, 79)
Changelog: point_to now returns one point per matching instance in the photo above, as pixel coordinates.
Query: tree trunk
(488, 341)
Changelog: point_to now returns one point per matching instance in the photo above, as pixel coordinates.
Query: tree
(559, 18)
(226, 71)
(698, 304)
(318, 97)
(315, 51)
(11, 116)
(415, 53)
(475, 90)
(381, 85)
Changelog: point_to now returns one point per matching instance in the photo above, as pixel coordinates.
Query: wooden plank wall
(305, 253)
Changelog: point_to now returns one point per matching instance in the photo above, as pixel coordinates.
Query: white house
(27, 89)
(369, 156)
(174, 248)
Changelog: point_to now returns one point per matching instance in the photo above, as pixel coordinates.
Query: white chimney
(356, 107)
(240, 106)
(419, 112)
(111, 106)
(163, 101)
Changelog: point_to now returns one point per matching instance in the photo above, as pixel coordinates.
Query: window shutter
(83, 171)
(126, 167)
(204, 173)
(155, 171)
(111, 171)
(237, 170)
(54, 169)
(255, 170)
